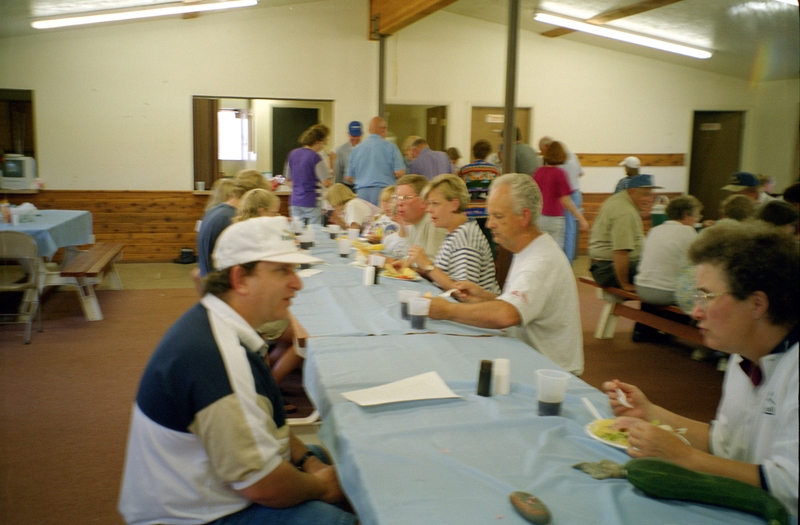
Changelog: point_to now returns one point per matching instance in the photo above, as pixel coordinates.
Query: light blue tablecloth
(455, 461)
(54, 229)
(335, 302)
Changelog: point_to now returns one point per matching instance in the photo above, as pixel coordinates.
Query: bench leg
(116, 283)
(91, 308)
(607, 324)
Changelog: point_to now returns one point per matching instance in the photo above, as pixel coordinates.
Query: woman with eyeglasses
(746, 306)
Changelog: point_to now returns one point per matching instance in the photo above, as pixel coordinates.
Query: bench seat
(614, 307)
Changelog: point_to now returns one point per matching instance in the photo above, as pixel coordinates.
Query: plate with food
(406, 274)
(602, 430)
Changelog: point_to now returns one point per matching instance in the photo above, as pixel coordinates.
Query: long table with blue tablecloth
(454, 461)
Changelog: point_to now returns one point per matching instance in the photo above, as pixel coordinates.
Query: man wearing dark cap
(743, 183)
(354, 132)
(617, 236)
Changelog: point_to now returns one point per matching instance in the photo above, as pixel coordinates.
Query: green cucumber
(663, 479)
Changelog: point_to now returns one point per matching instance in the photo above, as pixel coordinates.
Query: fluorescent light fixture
(117, 16)
(790, 2)
(621, 35)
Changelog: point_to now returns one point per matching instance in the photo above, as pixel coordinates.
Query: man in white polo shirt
(539, 303)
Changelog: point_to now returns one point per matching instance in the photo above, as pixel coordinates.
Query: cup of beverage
(403, 296)
(418, 309)
(353, 234)
(305, 266)
(200, 185)
(305, 241)
(344, 247)
(551, 386)
(334, 230)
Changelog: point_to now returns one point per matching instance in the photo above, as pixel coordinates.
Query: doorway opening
(428, 122)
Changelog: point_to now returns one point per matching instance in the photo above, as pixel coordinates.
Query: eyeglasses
(701, 298)
(403, 198)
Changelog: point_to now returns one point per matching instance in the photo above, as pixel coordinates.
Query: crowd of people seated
(209, 440)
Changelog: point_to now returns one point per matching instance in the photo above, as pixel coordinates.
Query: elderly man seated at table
(746, 305)
(465, 254)
(412, 210)
(539, 302)
(209, 442)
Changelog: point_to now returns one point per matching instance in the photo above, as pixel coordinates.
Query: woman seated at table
(465, 254)
(258, 203)
(349, 211)
(665, 251)
(746, 306)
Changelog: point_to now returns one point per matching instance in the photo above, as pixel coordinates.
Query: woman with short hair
(465, 254)
(307, 170)
(556, 191)
(350, 211)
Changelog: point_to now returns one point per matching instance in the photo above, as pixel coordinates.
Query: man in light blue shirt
(375, 163)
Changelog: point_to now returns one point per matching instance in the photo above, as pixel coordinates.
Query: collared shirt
(430, 164)
(618, 226)
(340, 165)
(427, 236)
(754, 372)
(373, 162)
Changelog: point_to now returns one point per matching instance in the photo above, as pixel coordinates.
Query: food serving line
(453, 460)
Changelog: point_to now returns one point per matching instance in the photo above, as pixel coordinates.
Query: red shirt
(553, 182)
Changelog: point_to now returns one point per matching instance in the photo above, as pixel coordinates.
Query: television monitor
(18, 173)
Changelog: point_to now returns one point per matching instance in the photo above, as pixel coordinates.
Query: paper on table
(424, 386)
(308, 272)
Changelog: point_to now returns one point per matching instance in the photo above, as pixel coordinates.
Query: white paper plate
(592, 435)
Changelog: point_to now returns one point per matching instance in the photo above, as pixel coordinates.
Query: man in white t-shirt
(539, 303)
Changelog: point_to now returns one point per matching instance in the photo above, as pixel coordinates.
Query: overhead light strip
(790, 2)
(140, 13)
(621, 35)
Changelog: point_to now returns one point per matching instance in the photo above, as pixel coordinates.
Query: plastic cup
(305, 266)
(344, 247)
(404, 296)
(418, 309)
(200, 185)
(306, 242)
(334, 230)
(551, 388)
(353, 234)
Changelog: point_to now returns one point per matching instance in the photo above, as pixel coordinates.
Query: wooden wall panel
(155, 225)
(593, 160)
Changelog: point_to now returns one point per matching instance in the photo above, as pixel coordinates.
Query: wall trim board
(595, 160)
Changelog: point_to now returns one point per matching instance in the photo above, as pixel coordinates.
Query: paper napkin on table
(424, 386)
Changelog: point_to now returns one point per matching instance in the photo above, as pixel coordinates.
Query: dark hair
(753, 257)
(219, 282)
(779, 213)
(792, 193)
(555, 154)
(454, 154)
(481, 149)
(680, 207)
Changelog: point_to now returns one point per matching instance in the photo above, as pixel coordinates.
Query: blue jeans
(571, 226)
(372, 195)
(314, 215)
(316, 512)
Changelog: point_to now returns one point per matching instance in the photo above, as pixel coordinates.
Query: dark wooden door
(716, 154)
(287, 126)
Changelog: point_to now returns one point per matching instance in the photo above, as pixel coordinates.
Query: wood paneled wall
(155, 225)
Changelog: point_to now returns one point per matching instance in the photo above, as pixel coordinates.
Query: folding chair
(20, 265)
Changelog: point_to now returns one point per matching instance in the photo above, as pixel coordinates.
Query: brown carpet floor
(65, 399)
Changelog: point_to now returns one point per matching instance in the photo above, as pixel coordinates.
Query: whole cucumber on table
(663, 479)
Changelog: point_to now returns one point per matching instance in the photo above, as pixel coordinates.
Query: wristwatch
(428, 269)
(302, 460)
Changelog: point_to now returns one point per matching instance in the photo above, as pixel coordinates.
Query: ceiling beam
(614, 14)
(390, 16)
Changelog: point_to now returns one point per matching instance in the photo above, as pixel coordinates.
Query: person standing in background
(354, 133)
(428, 163)
(572, 167)
(306, 170)
(375, 163)
(632, 165)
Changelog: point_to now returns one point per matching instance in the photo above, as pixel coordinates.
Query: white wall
(113, 104)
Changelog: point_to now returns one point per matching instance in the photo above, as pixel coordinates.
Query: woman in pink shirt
(556, 191)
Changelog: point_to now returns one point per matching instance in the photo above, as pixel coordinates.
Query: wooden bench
(614, 307)
(87, 269)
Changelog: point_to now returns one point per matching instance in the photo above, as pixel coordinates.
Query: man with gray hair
(539, 303)
(426, 162)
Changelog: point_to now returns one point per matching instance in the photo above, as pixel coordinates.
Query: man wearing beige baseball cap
(208, 439)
